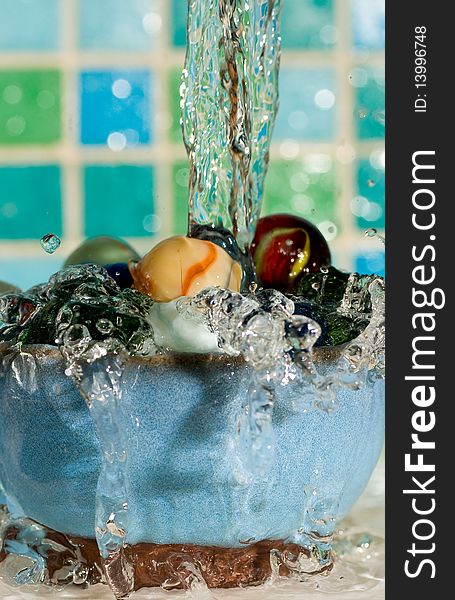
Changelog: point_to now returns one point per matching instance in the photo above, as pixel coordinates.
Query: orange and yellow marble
(183, 266)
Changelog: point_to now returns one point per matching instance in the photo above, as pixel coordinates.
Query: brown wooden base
(171, 565)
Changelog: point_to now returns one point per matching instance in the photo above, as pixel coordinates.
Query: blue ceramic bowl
(180, 416)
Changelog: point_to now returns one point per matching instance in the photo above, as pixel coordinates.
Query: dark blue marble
(120, 273)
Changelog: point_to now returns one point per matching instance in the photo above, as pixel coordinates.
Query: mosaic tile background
(90, 139)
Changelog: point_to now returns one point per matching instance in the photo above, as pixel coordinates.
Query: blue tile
(368, 23)
(307, 105)
(179, 11)
(116, 108)
(30, 202)
(308, 24)
(118, 24)
(368, 206)
(27, 271)
(29, 25)
(370, 263)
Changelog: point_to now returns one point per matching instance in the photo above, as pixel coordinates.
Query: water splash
(97, 326)
(229, 100)
(373, 233)
(279, 345)
(35, 556)
(50, 243)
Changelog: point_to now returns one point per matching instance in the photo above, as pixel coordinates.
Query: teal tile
(118, 24)
(369, 206)
(119, 201)
(29, 25)
(180, 179)
(30, 202)
(179, 11)
(369, 111)
(308, 24)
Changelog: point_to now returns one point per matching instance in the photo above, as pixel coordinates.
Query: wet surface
(358, 572)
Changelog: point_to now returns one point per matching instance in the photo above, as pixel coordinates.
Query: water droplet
(379, 116)
(253, 287)
(298, 120)
(104, 326)
(116, 141)
(329, 35)
(364, 541)
(300, 181)
(362, 113)
(8, 210)
(324, 99)
(121, 88)
(328, 229)
(358, 77)
(289, 149)
(152, 23)
(371, 232)
(45, 99)
(50, 243)
(151, 223)
(371, 183)
(15, 125)
(12, 94)
(377, 159)
(80, 574)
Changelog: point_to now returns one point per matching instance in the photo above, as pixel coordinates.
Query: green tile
(30, 107)
(308, 24)
(369, 112)
(175, 130)
(119, 201)
(180, 176)
(306, 188)
(30, 202)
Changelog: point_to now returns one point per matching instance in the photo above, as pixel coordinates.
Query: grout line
(159, 154)
(173, 58)
(69, 154)
(345, 137)
(163, 187)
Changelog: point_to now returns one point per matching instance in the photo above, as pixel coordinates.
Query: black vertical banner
(420, 427)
